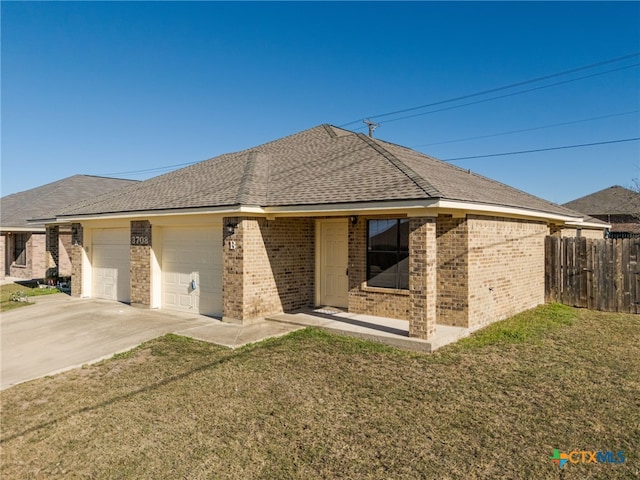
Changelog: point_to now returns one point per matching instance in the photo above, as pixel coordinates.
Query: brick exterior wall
(53, 249)
(77, 237)
(36, 257)
(58, 251)
(3, 255)
(462, 271)
(452, 269)
(381, 302)
(140, 264)
(271, 270)
(505, 267)
(595, 234)
(64, 252)
(232, 272)
(37, 246)
(422, 277)
(562, 231)
(582, 232)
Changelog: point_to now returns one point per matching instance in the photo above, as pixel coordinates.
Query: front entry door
(334, 283)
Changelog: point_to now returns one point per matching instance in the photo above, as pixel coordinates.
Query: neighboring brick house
(25, 249)
(618, 206)
(322, 217)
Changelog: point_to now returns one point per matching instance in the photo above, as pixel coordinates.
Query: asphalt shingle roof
(48, 200)
(319, 166)
(614, 200)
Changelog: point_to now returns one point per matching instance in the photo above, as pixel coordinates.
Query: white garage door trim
(110, 264)
(192, 269)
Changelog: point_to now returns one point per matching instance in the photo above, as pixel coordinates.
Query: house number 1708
(139, 240)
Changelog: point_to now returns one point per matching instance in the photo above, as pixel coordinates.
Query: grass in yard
(11, 292)
(316, 405)
(531, 326)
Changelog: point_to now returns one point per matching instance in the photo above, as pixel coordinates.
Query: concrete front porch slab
(389, 331)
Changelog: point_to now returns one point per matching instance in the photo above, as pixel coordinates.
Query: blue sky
(105, 88)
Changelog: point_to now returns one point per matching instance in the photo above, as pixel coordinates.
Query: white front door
(334, 261)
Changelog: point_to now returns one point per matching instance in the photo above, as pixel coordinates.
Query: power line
(541, 149)
(509, 94)
(527, 129)
(497, 89)
(169, 167)
(148, 170)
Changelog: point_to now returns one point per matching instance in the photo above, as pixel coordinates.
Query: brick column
(422, 277)
(453, 271)
(76, 259)
(140, 265)
(53, 254)
(232, 271)
(3, 253)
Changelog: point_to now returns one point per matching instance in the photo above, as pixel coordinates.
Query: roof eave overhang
(419, 207)
(414, 208)
(585, 224)
(503, 210)
(35, 228)
(230, 210)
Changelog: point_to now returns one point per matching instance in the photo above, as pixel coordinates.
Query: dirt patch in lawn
(317, 405)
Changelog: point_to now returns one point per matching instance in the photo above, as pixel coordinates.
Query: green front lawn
(9, 294)
(316, 405)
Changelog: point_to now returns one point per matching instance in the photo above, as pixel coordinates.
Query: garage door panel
(110, 264)
(192, 254)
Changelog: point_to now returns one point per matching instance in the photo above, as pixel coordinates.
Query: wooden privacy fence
(600, 274)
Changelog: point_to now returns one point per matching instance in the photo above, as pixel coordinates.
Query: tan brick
(271, 269)
(3, 254)
(452, 271)
(77, 240)
(140, 264)
(506, 267)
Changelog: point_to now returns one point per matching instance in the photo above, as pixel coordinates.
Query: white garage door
(192, 269)
(110, 264)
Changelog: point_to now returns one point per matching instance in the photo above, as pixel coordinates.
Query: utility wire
(148, 170)
(509, 94)
(497, 89)
(169, 167)
(526, 129)
(541, 149)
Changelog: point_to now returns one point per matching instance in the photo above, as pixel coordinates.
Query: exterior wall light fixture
(231, 227)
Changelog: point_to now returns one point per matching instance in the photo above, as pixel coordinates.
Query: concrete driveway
(61, 332)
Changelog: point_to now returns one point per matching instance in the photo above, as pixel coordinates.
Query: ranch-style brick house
(25, 250)
(322, 217)
(616, 205)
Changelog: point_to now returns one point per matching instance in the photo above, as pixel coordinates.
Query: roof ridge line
(422, 183)
(328, 129)
(247, 178)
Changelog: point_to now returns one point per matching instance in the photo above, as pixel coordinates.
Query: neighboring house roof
(45, 201)
(324, 165)
(614, 200)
